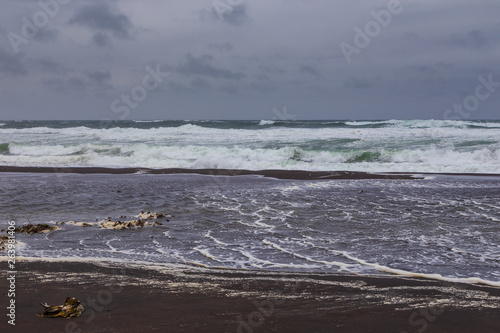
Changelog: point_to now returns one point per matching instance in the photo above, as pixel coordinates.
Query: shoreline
(132, 298)
(278, 174)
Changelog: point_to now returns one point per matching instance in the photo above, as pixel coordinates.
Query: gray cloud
(46, 35)
(91, 81)
(99, 77)
(10, 64)
(101, 39)
(221, 46)
(200, 83)
(434, 69)
(357, 83)
(177, 87)
(50, 66)
(100, 16)
(263, 87)
(310, 70)
(65, 85)
(256, 55)
(475, 40)
(202, 66)
(271, 69)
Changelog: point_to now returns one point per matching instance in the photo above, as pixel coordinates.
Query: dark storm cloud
(221, 46)
(357, 83)
(271, 69)
(310, 70)
(264, 87)
(65, 85)
(99, 77)
(200, 83)
(50, 66)
(177, 87)
(475, 40)
(257, 54)
(90, 81)
(203, 66)
(10, 64)
(228, 89)
(101, 39)
(434, 69)
(100, 16)
(46, 35)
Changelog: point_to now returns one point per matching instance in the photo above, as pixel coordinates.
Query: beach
(165, 278)
(250, 166)
(244, 226)
(135, 298)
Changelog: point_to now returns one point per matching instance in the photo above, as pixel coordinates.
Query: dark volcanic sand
(132, 299)
(280, 174)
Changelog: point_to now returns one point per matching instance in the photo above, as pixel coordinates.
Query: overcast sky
(240, 59)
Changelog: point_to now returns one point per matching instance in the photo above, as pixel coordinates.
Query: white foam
(266, 122)
(216, 241)
(343, 266)
(206, 253)
(394, 149)
(421, 275)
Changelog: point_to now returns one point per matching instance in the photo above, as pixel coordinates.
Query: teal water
(373, 146)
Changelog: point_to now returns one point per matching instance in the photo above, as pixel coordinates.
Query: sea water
(441, 228)
(371, 146)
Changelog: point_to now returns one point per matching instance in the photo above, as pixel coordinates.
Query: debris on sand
(144, 219)
(150, 215)
(3, 242)
(80, 224)
(72, 307)
(31, 229)
(120, 225)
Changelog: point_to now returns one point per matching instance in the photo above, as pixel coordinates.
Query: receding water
(447, 226)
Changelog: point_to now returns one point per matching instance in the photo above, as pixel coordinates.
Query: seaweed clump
(150, 215)
(72, 307)
(3, 242)
(31, 229)
(145, 219)
(133, 224)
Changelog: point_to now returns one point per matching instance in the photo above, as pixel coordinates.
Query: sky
(249, 59)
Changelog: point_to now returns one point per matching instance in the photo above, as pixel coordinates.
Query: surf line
(422, 275)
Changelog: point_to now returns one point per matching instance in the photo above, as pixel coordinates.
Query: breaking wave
(398, 146)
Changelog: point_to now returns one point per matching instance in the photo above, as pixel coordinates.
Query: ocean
(436, 226)
(370, 146)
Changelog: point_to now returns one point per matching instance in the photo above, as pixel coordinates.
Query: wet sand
(138, 299)
(280, 174)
